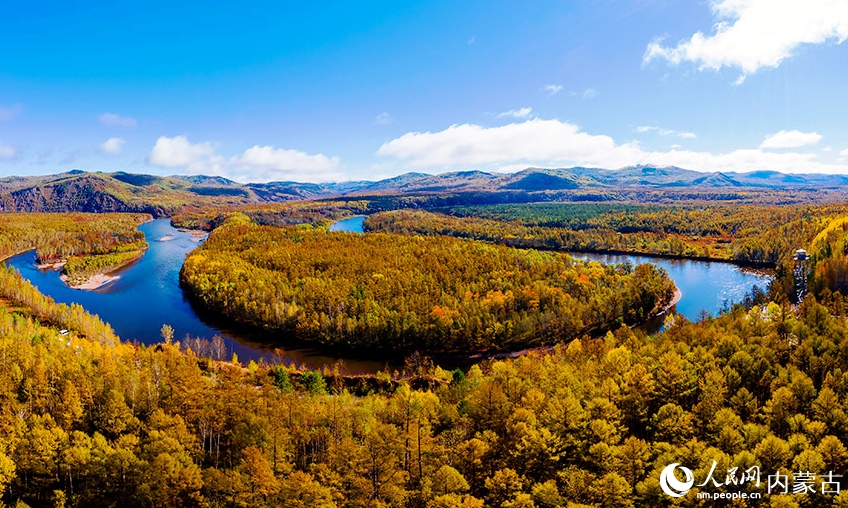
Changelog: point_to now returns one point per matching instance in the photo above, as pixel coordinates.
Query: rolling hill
(163, 195)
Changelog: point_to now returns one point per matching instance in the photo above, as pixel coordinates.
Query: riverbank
(674, 299)
(100, 278)
(96, 281)
(764, 265)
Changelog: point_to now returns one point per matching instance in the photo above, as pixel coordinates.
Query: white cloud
(383, 119)
(7, 114)
(256, 164)
(844, 152)
(516, 113)
(178, 152)
(532, 140)
(112, 145)
(269, 163)
(589, 93)
(113, 120)
(791, 139)
(665, 132)
(752, 34)
(552, 143)
(553, 89)
(7, 152)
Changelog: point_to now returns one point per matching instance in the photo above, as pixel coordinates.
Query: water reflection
(148, 295)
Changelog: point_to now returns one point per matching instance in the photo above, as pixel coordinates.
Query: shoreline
(481, 356)
(674, 300)
(197, 235)
(101, 279)
(705, 259)
(96, 281)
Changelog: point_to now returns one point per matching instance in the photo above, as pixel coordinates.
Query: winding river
(148, 295)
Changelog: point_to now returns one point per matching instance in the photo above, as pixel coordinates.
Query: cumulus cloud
(113, 120)
(844, 152)
(554, 143)
(178, 152)
(791, 139)
(269, 163)
(752, 34)
(256, 164)
(666, 132)
(7, 152)
(553, 89)
(383, 119)
(112, 145)
(516, 113)
(536, 139)
(7, 113)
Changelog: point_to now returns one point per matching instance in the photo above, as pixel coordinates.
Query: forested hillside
(81, 191)
(87, 422)
(314, 213)
(751, 234)
(396, 292)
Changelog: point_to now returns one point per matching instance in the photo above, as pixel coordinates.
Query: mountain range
(160, 195)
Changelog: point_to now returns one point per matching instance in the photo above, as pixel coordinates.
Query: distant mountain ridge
(78, 190)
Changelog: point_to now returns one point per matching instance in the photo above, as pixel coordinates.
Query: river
(148, 295)
(704, 285)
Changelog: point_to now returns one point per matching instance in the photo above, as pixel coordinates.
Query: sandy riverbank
(58, 265)
(96, 281)
(196, 234)
(674, 299)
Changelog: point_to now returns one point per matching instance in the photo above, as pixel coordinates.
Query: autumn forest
(590, 415)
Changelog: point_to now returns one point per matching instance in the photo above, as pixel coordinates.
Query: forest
(89, 421)
(406, 293)
(748, 234)
(84, 244)
(316, 213)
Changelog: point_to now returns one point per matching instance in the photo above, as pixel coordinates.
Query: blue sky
(326, 90)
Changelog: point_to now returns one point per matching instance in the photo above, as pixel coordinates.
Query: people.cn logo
(671, 485)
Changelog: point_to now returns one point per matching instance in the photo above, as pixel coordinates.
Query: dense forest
(88, 421)
(753, 234)
(316, 213)
(84, 244)
(396, 292)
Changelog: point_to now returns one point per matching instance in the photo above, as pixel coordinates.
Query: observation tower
(800, 274)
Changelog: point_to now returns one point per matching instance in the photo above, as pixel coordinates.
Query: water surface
(709, 286)
(351, 225)
(148, 295)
